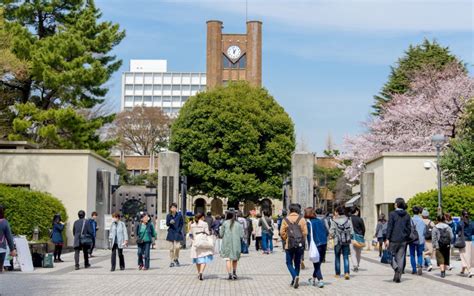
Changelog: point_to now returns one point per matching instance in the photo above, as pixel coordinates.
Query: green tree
(123, 173)
(457, 162)
(455, 199)
(429, 54)
(235, 142)
(67, 51)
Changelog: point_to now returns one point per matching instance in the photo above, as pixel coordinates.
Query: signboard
(24, 255)
(107, 221)
(163, 225)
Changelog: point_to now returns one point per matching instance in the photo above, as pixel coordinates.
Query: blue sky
(322, 60)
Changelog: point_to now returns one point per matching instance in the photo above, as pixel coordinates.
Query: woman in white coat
(200, 255)
(118, 239)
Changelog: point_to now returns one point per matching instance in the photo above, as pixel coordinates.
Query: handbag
(460, 242)
(85, 239)
(358, 241)
(386, 257)
(203, 241)
(313, 249)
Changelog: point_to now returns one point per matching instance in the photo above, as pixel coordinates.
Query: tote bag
(313, 249)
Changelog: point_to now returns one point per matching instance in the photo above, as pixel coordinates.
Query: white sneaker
(450, 267)
(470, 275)
(430, 268)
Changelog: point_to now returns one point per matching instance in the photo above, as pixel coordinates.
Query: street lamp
(438, 141)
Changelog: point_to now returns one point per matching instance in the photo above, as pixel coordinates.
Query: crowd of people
(300, 230)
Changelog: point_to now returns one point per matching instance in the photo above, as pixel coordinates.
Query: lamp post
(438, 141)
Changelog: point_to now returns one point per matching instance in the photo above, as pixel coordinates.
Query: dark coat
(175, 230)
(398, 226)
(57, 235)
(76, 230)
(358, 225)
(468, 227)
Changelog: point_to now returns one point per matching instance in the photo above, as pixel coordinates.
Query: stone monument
(168, 188)
(302, 172)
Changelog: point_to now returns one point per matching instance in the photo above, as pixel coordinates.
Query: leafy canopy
(235, 142)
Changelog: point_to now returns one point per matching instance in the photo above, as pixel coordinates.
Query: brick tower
(232, 57)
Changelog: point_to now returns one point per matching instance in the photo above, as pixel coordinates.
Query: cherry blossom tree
(433, 105)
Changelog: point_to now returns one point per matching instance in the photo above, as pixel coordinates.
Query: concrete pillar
(368, 210)
(254, 53)
(214, 54)
(168, 186)
(302, 173)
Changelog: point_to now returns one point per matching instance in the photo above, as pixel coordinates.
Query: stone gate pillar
(302, 172)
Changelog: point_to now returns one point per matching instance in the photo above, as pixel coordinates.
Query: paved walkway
(259, 275)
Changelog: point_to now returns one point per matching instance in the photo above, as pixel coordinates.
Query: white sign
(108, 221)
(24, 255)
(163, 225)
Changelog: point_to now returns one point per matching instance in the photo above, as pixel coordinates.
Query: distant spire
(329, 142)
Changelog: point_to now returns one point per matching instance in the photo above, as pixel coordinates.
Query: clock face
(234, 52)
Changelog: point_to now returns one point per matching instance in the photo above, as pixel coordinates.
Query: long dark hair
(56, 218)
(230, 216)
(2, 212)
(465, 216)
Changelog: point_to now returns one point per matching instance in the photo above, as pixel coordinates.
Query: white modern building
(148, 83)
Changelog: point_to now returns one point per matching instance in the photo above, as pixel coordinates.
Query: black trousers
(114, 257)
(258, 243)
(91, 248)
(58, 248)
(85, 251)
(399, 255)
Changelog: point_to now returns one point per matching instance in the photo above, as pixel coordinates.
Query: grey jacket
(118, 234)
(436, 234)
(6, 237)
(340, 220)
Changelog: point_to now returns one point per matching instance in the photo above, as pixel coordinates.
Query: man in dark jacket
(359, 229)
(398, 235)
(82, 238)
(175, 223)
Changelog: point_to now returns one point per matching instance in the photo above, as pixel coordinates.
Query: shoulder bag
(85, 239)
(313, 249)
(460, 242)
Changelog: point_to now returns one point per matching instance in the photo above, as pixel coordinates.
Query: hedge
(25, 209)
(455, 199)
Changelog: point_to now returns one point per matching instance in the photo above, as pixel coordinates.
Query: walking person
(324, 220)
(429, 253)
(398, 236)
(341, 231)
(95, 228)
(267, 232)
(294, 232)
(466, 232)
(249, 230)
(57, 237)
(175, 223)
(417, 248)
(209, 219)
(358, 227)
(381, 232)
(232, 233)
(118, 239)
(442, 236)
(6, 238)
(82, 239)
(320, 233)
(242, 221)
(145, 233)
(201, 255)
(258, 233)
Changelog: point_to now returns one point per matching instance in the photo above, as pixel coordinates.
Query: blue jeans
(267, 242)
(293, 261)
(144, 254)
(418, 249)
(317, 266)
(344, 250)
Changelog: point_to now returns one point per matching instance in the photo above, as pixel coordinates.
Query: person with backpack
(417, 247)
(465, 232)
(398, 235)
(359, 230)
(428, 254)
(175, 223)
(442, 236)
(341, 231)
(381, 232)
(319, 233)
(267, 232)
(294, 233)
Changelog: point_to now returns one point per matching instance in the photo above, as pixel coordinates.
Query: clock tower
(232, 57)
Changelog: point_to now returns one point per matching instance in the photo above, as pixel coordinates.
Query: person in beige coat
(200, 256)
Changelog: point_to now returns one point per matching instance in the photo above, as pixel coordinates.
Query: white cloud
(354, 15)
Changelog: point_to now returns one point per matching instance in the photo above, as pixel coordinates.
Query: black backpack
(343, 233)
(428, 231)
(444, 237)
(295, 234)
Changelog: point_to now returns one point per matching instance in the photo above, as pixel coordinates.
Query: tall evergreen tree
(427, 55)
(67, 49)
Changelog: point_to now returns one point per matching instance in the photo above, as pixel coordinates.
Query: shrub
(25, 209)
(455, 199)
